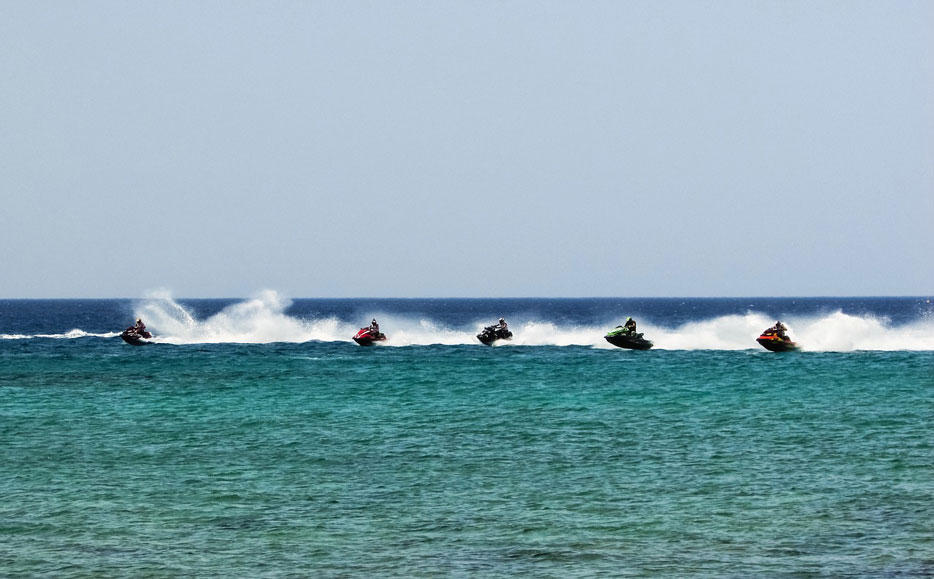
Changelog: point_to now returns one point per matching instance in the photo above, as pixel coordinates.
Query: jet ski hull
(136, 338)
(776, 344)
(634, 342)
(489, 335)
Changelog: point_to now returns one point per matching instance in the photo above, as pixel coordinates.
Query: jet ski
(492, 333)
(134, 337)
(776, 342)
(620, 337)
(366, 338)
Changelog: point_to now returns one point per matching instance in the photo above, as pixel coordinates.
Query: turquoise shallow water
(332, 460)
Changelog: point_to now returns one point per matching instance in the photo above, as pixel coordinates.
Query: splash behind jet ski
(493, 333)
(621, 337)
(366, 337)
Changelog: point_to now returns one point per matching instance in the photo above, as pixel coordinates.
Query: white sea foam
(834, 332)
(69, 335)
(839, 332)
(404, 331)
(262, 319)
(537, 333)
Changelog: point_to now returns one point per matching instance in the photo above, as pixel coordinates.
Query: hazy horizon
(926, 297)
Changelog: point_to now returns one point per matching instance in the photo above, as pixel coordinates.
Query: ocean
(253, 438)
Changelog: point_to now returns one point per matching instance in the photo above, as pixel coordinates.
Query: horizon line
(668, 297)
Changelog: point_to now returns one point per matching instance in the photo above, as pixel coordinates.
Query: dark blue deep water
(254, 439)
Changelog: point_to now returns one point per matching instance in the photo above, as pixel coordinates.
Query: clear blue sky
(474, 148)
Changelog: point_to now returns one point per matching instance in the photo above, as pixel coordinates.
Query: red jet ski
(776, 341)
(365, 337)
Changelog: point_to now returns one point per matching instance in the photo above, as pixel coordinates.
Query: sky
(467, 149)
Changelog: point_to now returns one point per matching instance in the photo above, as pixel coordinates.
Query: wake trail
(69, 335)
(263, 319)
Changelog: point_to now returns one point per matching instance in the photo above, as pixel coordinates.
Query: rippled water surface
(330, 459)
(254, 439)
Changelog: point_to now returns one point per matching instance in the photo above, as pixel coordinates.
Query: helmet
(139, 320)
(628, 319)
(502, 320)
(374, 321)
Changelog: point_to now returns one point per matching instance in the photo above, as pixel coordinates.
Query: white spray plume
(262, 319)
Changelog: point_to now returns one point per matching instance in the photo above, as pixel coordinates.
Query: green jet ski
(623, 338)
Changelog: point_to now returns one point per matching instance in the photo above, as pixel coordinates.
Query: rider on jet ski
(136, 334)
(497, 331)
(779, 330)
(630, 326)
(374, 327)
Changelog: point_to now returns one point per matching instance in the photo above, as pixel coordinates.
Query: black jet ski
(135, 337)
(775, 341)
(621, 338)
(365, 337)
(492, 333)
